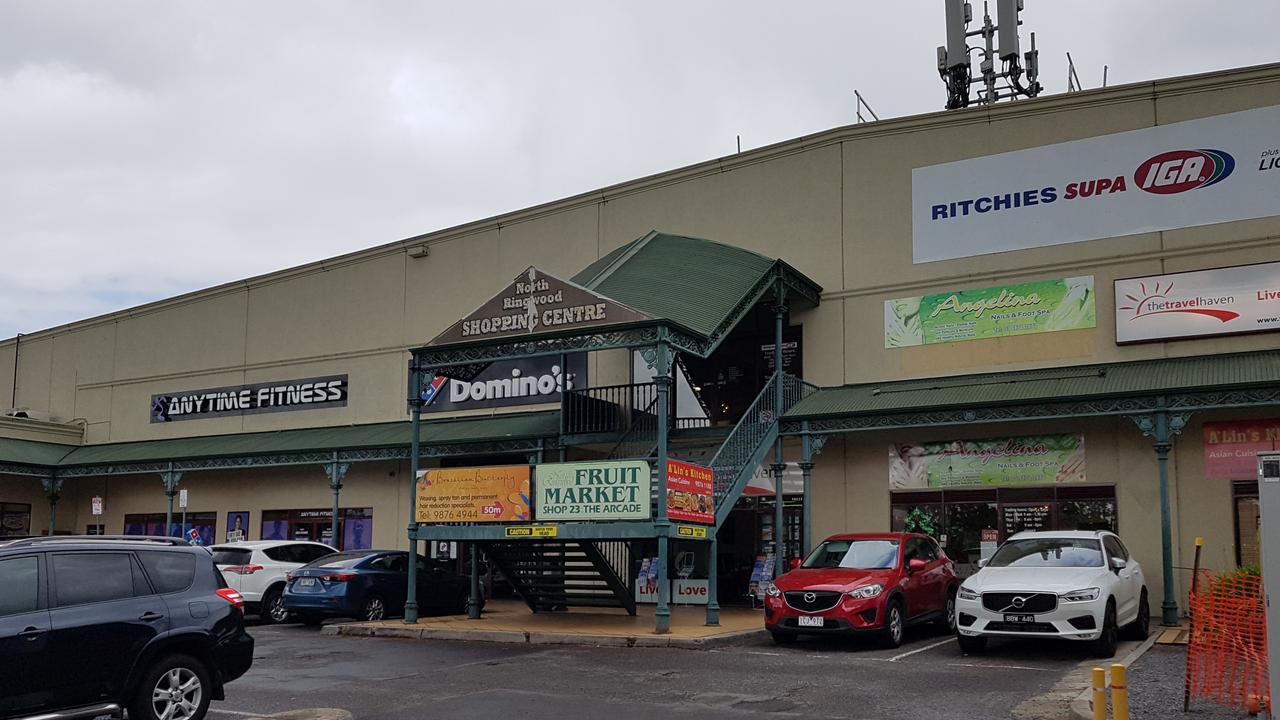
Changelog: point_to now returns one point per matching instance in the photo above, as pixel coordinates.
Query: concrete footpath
(1082, 706)
(510, 621)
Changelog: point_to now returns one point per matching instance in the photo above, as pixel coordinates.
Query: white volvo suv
(258, 570)
(1076, 585)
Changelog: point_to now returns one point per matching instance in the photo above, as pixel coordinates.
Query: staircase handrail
(647, 424)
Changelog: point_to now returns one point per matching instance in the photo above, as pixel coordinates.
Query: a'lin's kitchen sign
(536, 302)
(307, 394)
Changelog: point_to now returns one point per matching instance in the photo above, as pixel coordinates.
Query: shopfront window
(15, 520)
(1248, 522)
(152, 525)
(355, 526)
(970, 524)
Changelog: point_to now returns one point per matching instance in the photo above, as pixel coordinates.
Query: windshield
(1048, 552)
(231, 556)
(340, 560)
(855, 555)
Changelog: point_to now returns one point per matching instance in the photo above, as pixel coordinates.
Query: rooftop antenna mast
(956, 69)
(862, 104)
(1073, 78)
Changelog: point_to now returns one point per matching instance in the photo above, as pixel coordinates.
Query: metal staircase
(554, 575)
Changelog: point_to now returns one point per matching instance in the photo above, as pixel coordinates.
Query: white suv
(258, 569)
(1078, 585)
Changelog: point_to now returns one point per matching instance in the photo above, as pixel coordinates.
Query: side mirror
(982, 562)
(795, 563)
(1119, 564)
(916, 565)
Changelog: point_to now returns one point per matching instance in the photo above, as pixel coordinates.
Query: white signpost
(95, 506)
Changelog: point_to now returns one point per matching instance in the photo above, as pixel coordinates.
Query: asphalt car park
(297, 667)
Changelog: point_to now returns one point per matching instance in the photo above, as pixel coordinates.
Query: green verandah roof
(1081, 383)
(459, 431)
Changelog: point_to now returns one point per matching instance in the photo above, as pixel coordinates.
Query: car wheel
(947, 623)
(374, 609)
(273, 610)
(1141, 625)
(176, 688)
(894, 625)
(783, 638)
(1105, 645)
(971, 645)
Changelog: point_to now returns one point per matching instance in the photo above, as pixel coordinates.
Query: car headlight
(772, 590)
(965, 593)
(1084, 595)
(866, 591)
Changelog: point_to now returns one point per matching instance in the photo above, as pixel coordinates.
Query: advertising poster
(1231, 448)
(357, 533)
(607, 490)
(1223, 301)
(237, 526)
(690, 493)
(508, 383)
(1002, 311)
(482, 494)
(1175, 175)
(1029, 460)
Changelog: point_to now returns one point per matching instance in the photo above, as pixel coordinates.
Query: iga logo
(1181, 170)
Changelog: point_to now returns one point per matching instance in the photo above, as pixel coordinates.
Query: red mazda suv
(865, 583)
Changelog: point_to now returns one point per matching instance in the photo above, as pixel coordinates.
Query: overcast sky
(152, 148)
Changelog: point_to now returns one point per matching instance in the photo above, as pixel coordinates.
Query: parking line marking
(909, 653)
(1002, 667)
(236, 713)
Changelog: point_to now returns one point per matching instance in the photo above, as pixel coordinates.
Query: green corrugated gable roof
(1081, 382)
(354, 437)
(692, 282)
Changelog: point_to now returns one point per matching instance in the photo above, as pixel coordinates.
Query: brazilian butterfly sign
(1186, 174)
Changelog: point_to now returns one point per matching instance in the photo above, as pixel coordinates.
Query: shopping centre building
(1049, 314)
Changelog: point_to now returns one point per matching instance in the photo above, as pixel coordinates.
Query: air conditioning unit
(29, 414)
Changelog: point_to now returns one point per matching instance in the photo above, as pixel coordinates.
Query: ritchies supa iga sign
(536, 302)
(1176, 175)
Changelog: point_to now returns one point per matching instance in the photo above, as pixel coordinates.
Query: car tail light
(338, 577)
(233, 597)
(244, 569)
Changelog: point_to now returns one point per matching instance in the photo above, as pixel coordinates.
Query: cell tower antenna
(862, 104)
(956, 68)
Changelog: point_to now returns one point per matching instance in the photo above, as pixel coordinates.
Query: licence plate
(810, 621)
(306, 582)
(1020, 618)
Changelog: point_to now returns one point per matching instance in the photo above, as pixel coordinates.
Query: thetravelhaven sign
(508, 383)
(307, 394)
(1186, 174)
(536, 302)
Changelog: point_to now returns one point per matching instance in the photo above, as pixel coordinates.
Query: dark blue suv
(93, 626)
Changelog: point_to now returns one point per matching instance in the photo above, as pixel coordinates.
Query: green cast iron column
(52, 491)
(662, 377)
(473, 607)
(806, 474)
(1164, 443)
(779, 464)
(171, 478)
(713, 597)
(415, 448)
(335, 471)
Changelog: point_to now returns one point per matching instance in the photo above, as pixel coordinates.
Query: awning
(1174, 384)
(380, 441)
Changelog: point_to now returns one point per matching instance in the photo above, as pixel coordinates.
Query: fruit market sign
(536, 302)
(994, 312)
(607, 490)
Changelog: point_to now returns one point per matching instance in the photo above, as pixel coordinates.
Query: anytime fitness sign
(308, 394)
(1223, 301)
(1186, 174)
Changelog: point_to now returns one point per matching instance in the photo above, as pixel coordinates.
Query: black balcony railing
(606, 409)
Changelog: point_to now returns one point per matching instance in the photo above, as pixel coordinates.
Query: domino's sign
(1187, 174)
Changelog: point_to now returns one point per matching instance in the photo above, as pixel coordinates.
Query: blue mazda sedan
(371, 585)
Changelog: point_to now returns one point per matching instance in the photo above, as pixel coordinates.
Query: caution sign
(538, 531)
(686, 531)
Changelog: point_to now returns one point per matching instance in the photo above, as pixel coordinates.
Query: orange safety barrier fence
(1227, 652)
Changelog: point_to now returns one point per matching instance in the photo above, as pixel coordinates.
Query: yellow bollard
(1099, 694)
(1119, 692)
